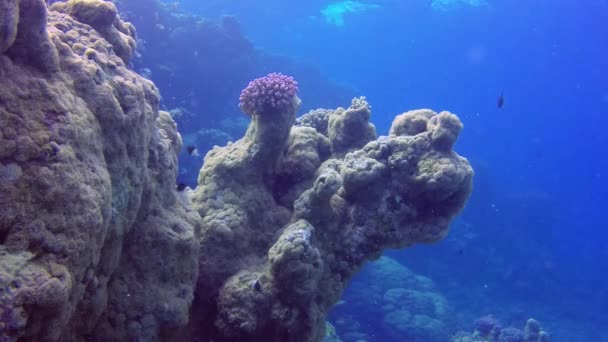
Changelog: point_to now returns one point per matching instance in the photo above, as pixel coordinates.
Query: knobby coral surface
(96, 244)
(387, 301)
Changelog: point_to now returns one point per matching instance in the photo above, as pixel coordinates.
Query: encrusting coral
(97, 244)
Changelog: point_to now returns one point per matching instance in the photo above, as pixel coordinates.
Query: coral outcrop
(301, 222)
(96, 244)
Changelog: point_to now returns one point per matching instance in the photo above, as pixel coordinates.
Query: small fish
(180, 187)
(193, 151)
(256, 285)
(501, 101)
(460, 252)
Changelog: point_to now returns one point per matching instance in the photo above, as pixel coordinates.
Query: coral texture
(103, 17)
(317, 119)
(95, 243)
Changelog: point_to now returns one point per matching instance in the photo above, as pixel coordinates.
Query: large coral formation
(291, 261)
(97, 244)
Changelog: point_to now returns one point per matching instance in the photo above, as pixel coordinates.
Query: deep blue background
(536, 224)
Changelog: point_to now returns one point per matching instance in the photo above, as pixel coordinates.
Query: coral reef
(390, 302)
(489, 329)
(486, 324)
(204, 79)
(102, 15)
(207, 77)
(317, 119)
(347, 129)
(350, 129)
(290, 262)
(97, 245)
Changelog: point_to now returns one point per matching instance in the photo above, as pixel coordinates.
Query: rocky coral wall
(95, 242)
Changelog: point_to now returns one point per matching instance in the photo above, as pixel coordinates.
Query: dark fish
(460, 252)
(501, 101)
(180, 187)
(257, 286)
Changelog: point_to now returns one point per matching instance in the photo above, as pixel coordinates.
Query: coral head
(271, 93)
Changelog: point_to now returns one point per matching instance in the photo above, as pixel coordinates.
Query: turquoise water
(532, 241)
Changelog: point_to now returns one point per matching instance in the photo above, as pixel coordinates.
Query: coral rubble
(97, 245)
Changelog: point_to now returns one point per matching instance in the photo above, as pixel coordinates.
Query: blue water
(533, 240)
